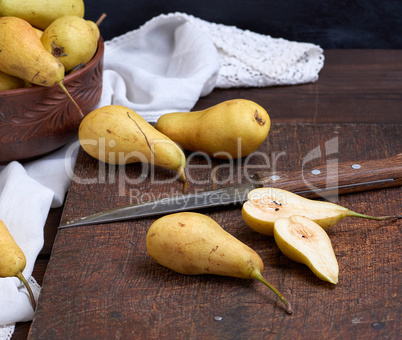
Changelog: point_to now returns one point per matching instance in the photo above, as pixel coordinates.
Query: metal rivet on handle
(316, 172)
(274, 177)
(356, 166)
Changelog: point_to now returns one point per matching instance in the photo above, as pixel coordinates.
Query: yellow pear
(116, 134)
(12, 259)
(8, 82)
(304, 241)
(23, 56)
(38, 32)
(41, 13)
(71, 39)
(231, 129)
(192, 243)
(265, 205)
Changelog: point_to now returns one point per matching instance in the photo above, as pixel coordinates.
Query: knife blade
(332, 179)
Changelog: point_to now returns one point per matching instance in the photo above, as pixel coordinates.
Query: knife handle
(337, 178)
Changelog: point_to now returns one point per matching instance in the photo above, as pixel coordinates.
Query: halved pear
(265, 205)
(304, 241)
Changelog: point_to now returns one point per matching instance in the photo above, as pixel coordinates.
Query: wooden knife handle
(337, 178)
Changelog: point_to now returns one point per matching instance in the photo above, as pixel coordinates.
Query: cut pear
(304, 241)
(265, 205)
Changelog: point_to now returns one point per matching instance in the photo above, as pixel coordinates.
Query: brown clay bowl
(37, 120)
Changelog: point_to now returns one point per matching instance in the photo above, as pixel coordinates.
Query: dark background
(328, 23)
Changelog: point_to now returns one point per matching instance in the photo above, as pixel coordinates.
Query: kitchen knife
(332, 179)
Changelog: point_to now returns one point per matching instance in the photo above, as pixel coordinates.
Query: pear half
(265, 205)
(304, 241)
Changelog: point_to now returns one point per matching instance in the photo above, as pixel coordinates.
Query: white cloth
(174, 59)
(164, 66)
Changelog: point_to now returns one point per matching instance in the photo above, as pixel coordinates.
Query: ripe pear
(231, 129)
(71, 39)
(12, 259)
(38, 32)
(265, 205)
(116, 134)
(22, 55)
(8, 82)
(304, 241)
(192, 243)
(41, 13)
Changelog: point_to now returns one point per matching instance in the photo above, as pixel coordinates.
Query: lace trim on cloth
(7, 331)
(249, 59)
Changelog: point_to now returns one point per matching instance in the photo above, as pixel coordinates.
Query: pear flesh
(265, 205)
(72, 39)
(12, 259)
(192, 243)
(41, 13)
(304, 241)
(231, 129)
(115, 134)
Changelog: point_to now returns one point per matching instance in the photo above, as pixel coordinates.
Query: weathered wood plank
(355, 86)
(100, 282)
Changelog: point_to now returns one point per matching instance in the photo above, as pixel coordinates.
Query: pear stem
(101, 18)
(22, 278)
(379, 218)
(184, 179)
(257, 275)
(70, 98)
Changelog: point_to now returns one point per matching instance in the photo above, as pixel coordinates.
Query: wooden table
(100, 283)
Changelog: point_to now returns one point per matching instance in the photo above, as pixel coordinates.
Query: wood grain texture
(355, 86)
(101, 283)
(336, 178)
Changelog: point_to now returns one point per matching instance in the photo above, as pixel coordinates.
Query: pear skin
(116, 134)
(71, 39)
(192, 243)
(23, 55)
(231, 129)
(38, 32)
(41, 13)
(304, 241)
(12, 259)
(8, 82)
(265, 205)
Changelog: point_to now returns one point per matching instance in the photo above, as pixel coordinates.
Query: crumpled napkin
(174, 59)
(164, 66)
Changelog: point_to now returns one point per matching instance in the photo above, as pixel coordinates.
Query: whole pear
(23, 55)
(71, 39)
(304, 241)
(231, 129)
(12, 259)
(265, 205)
(8, 82)
(41, 13)
(38, 32)
(116, 134)
(192, 243)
